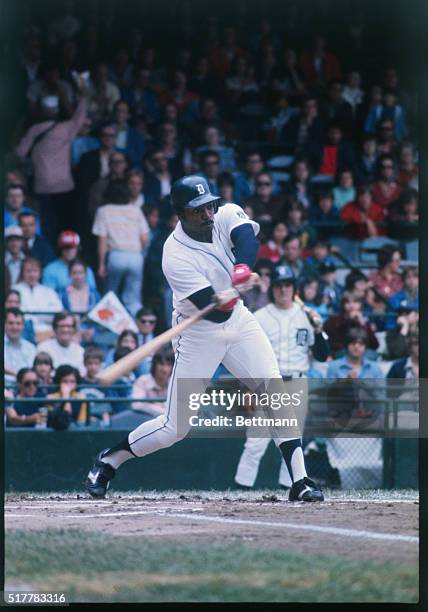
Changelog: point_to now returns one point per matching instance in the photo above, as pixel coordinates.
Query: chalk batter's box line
(337, 531)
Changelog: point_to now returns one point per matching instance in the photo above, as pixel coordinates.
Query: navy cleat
(99, 476)
(305, 490)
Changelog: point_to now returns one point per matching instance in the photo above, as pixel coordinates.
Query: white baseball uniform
(291, 335)
(239, 343)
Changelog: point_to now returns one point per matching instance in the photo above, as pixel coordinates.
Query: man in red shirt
(386, 190)
(363, 215)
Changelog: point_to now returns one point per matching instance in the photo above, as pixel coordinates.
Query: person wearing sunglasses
(386, 189)
(25, 414)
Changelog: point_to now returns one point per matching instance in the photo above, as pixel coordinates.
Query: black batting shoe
(305, 490)
(99, 476)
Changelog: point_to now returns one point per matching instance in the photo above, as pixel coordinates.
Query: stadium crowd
(313, 140)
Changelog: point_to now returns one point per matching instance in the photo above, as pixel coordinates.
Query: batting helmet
(279, 274)
(191, 192)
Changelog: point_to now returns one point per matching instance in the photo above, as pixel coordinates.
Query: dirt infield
(359, 529)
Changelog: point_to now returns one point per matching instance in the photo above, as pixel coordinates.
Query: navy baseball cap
(282, 273)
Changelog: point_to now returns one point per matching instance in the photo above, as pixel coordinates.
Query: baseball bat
(298, 300)
(134, 358)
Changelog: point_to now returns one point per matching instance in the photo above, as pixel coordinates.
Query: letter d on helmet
(190, 192)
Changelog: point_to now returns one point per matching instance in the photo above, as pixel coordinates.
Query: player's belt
(290, 375)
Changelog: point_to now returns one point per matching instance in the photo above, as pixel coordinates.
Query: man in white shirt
(18, 353)
(14, 252)
(62, 349)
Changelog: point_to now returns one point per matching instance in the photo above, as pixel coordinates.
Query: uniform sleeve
(99, 227)
(232, 215)
(183, 278)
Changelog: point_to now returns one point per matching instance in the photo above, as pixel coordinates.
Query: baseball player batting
(211, 249)
(292, 329)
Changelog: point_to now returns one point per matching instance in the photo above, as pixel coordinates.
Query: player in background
(291, 333)
(211, 249)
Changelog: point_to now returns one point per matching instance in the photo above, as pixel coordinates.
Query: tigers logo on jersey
(302, 337)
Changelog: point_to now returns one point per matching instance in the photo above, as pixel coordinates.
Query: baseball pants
(239, 343)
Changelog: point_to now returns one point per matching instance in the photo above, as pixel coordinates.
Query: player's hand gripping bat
(313, 316)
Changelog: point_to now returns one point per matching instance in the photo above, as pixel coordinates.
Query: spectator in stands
(93, 362)
(363, 216)
(407, 367)
(14, 251)
(154, 385)
(96, 164)
(62, 414)
(179, 158)
(221, 57)
(122, 233)
(15, 204)
(389, 109)
(386, 190)
(83, 142)
(292, 255)
(102, 94)
(310, 292)
(397, 339)
(79, 296)
(13, 300)
(408, 296)
(409, 168)
(49, 145)
(366, 167)
(331, 290)
(37, 298)
(241, 87)
(320, 256)
(344, 191)
(353, 92)
(141, 97)
(337, 110)
(356, 282)
(126, 339)
(35, 246)
(266, 205)
(122, 388)
(50, 85)
(18, 353)
(273, 249)
(325, 216)
(387, 280)
(304, 130)
(330, 157)
(226, 187)
(287, 78)
(158, 179)
(320, 66)
(146, 321)
(57, 274)
(210, 169)
(213, 141)
(44, 368)
(118, 168)
(299, 186)
(26, 414)
(121, 70)
(355, 363)
(128, 140)
(179, 94)
(246, 181)
(350, 316)
(258, 296)
(62, 348)
(385, 140)
(135, 180)
(296, 220)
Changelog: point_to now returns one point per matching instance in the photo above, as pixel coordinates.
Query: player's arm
(245, 243)
(320, 348)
